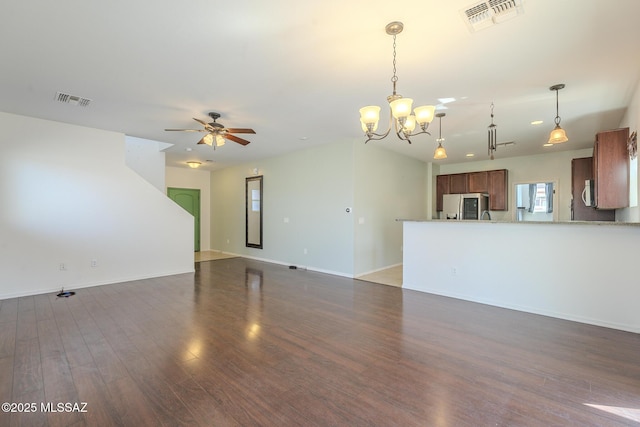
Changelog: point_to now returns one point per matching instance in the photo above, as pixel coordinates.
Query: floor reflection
(253, 288)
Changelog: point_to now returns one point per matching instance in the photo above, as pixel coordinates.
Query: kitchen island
(582, 271)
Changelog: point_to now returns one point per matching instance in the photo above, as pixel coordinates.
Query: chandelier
(404, 122)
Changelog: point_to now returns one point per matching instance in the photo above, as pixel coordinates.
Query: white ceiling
(297, 72)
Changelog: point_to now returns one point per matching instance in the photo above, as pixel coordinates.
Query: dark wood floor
(250, 343)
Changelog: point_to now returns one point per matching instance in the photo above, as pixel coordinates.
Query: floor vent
(65, 98)
(487, 13)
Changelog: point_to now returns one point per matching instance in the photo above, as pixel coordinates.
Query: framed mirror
(253, 222)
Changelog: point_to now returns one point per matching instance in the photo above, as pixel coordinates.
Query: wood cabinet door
(477, 182)
(442, 187)
(611, 169)
(458, 183)
(581, 170)
(497, 183)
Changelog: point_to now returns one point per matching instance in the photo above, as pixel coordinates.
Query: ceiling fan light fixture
(208, 139)
(194, 165)
(219, 140)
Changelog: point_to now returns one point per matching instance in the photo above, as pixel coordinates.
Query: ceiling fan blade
(203, 123)
(240, 130)
(236, 139)
(186, 130)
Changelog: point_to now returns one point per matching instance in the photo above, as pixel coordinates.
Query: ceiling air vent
(65, 98)
(487, 13)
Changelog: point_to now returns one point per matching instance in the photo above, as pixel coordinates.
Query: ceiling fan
(216, 132)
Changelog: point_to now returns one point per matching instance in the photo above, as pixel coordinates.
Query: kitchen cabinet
(611, 169)
(477, 182)
(498, 190)
(442, 187)
(581, 170)
(493, 182)
(458, 183)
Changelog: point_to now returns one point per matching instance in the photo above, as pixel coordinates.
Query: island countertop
(583, 271)
(614, 223)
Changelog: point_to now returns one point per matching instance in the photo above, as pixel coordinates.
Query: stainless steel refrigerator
(469, 206)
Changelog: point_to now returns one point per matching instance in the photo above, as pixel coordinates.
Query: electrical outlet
(94, 263)
(454, 271)
(63, 266)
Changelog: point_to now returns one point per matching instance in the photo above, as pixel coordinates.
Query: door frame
(172, 192)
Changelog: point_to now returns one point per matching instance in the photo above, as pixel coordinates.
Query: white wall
(305, 195)
(387, 186)
(552, 167)
(147, 159)
(69, 198)
(632, 121)
(200, 180)
(582, 272)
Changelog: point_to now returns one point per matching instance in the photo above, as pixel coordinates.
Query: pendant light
(440, 152)
(558, 135)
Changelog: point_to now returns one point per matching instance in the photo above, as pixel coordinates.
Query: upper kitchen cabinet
(581, 205)
(611, 169)
(477, 182)
(442, 187)
(458, 183)
(492, 182)
(497, 186)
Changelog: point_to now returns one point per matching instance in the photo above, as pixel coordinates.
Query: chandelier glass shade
(558, 135)
(404, 122)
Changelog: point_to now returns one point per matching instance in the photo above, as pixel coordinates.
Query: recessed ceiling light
(446, 100)
(537, 122)
(188, 149)
(547, 145)
(470, 154)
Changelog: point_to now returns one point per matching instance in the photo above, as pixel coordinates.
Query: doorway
(536, 201)
(189, 200)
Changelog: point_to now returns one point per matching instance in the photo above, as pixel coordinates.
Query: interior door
(189, 199)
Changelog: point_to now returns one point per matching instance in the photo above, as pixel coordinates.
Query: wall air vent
(487, 13)
(65, 98)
